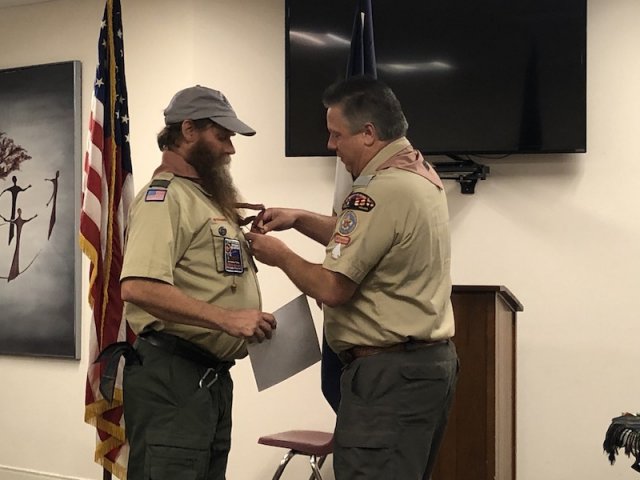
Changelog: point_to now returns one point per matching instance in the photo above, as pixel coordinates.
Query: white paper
(343, 183)
(292, 348)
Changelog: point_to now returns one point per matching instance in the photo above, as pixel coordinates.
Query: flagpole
(107, 194)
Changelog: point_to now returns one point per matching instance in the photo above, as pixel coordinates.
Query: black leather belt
(184, 349)
(359, 351)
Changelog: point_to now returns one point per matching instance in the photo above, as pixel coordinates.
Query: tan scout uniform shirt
(392, 238)
(177, 236)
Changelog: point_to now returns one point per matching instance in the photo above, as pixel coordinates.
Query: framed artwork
(40, 175)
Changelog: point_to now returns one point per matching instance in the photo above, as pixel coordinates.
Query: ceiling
(14, 3)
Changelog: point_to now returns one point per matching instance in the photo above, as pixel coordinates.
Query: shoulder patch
(347, 223)
(343, 239)
(157, 189)
(359, 201)
(160, 182)
(155, 195)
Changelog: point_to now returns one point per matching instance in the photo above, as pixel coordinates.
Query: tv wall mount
(465, 171)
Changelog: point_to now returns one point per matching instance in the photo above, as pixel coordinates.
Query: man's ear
(188, 131)
(370, 134)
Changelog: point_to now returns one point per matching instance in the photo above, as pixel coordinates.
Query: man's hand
(277, 219)
(267, 249)
(251, 325)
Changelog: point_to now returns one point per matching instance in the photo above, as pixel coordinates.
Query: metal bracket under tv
(465, 171)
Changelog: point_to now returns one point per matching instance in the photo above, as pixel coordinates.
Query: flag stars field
(106, 196)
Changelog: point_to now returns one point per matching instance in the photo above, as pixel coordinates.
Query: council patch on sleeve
(347, 223)
(359, 201)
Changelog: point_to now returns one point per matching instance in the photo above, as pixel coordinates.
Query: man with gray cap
(191, 295)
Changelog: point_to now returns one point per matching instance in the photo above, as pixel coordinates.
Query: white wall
(561, 231)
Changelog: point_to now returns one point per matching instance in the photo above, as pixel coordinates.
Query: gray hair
(367, 100)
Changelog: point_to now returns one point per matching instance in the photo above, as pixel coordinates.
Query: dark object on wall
(479, 441)
(624, 432)
(473, 76)
(39, 203)
(465, 171)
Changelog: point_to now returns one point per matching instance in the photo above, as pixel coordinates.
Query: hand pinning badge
(255, 220)
(256, 223)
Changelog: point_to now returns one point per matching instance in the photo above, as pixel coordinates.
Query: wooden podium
(479, 442)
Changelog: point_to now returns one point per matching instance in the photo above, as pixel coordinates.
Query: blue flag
(362, 61)
(362, 56)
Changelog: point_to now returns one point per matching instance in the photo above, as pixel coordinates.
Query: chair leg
(283, 463)
(315, 467)
(320, 463)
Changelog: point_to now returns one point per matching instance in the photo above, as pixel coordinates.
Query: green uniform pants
(393, 413)
(176, 429)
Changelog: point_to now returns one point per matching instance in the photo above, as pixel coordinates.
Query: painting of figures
(40, 165)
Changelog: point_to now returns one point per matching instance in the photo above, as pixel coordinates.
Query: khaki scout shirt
(392, 238)
(177, 236)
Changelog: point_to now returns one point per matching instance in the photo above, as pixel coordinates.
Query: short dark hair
(172, 133)
(364, 100)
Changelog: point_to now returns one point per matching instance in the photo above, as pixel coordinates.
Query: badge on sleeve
(347, 223)
(157, 190)
(155, 195)
(359, 201)
(233, 256)
(342, 239)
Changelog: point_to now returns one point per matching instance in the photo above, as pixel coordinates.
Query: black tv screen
(473, 76)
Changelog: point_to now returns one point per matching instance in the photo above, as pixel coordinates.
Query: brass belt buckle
(207, 384)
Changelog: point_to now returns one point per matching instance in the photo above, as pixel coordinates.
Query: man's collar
(176, 164)
(383, 155)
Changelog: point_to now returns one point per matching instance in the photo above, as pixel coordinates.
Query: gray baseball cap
(198, 102)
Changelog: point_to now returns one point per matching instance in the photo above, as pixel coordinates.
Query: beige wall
(561, 231)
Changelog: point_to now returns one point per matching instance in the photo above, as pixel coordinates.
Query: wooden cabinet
(479, 442)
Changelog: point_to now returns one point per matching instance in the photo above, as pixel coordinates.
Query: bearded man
(191, 295)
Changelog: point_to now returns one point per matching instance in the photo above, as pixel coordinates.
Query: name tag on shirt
(233, 256)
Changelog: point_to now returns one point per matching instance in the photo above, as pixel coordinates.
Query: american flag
(107, 192)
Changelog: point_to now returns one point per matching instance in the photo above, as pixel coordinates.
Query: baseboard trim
(15, 473)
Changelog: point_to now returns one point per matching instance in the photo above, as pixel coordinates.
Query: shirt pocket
(229, 248)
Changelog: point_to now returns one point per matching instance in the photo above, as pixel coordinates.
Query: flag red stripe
(106, 169)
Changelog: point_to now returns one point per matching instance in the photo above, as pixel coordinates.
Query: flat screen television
(473, 76)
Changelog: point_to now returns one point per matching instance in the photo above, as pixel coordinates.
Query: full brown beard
(215, 178)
